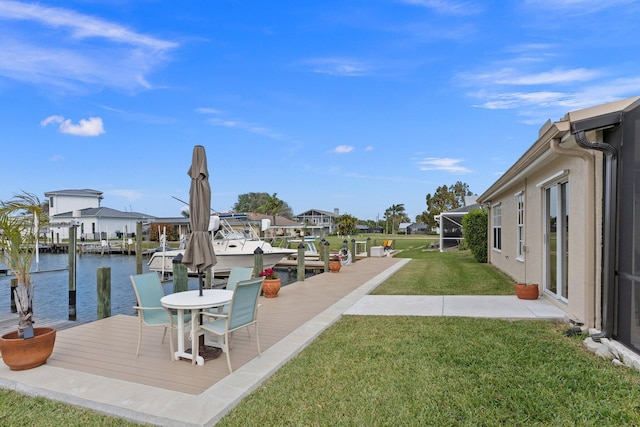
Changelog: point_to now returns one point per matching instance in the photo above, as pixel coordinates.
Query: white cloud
(577, 7)
(247, 126)
(241, 125)
(555, 76)
(126, 193)
(343, 149)
(447, 7)
(445, 164)
(369, 148)
(69, 50)
(82, 26)
(205, 110)
(508, 100)
(532, 81)
(339, 67)
(57, 158)
(86, 127)
(511, 76)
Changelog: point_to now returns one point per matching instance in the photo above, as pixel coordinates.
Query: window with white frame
(497, 227)
(520, 231)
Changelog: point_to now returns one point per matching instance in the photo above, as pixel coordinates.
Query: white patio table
(191, 300)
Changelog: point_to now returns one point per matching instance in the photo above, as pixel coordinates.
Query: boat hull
(163, 261)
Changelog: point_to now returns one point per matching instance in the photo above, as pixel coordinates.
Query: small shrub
(475, 225)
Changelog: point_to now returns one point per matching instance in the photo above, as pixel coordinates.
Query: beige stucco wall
(584, 169)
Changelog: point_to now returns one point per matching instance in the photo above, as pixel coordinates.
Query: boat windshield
(227, 232)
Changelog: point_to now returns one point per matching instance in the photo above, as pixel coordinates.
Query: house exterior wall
(61, 202)
(505, 258)
(584, 148)
(583, 238)
(320, 218)
(86, 225)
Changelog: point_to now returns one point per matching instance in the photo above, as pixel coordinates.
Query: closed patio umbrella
(199, 254)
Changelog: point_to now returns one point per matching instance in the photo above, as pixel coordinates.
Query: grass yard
(405, 371)
(393, 371)
(19, 410)
(402, 242)
(445, 273)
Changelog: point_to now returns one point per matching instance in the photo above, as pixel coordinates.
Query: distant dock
(312, 265)
(89, 248)
(9, 323)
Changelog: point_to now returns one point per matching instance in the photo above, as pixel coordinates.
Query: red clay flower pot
(334, 266)
(271, 287)
(19, 353)
(524, 291)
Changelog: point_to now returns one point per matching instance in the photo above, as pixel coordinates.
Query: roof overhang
(536, 155)
(587, 119)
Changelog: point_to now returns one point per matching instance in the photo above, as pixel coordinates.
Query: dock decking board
(107, 347)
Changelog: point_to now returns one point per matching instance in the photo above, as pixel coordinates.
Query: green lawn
(401, 370)
(19, 410)
(445, 273)
(405, 371)
(391, 371)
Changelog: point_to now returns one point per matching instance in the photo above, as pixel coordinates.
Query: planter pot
(271, 287)
(334, 266)
(19, 354)
(524, 291)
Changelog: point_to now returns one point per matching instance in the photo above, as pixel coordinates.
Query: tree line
(444, 199)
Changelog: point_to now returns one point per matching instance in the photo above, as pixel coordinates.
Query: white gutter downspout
(592, 300)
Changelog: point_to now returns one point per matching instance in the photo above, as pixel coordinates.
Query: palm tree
(21, 220)
(272, 207)
(393, 213)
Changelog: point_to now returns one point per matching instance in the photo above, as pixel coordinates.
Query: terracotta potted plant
(527, 290)
(21, 220)
(337, 260)
(271, 285)
(335, 263)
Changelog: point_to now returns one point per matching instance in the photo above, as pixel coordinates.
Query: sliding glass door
(556, 239)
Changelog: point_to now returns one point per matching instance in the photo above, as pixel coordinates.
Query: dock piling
(72, 271)
(258, 262)
(103, 282)
(301, 260)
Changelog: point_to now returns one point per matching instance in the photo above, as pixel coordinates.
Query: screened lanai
(450, 224)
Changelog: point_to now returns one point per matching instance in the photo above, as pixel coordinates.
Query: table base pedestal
(207, 352)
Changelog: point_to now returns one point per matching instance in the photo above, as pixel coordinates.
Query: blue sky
(355, 105)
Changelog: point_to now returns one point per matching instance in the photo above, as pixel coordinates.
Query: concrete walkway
(105, 394)
(507, 306)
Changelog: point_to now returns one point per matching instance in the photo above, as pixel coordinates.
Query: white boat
(233, 248)
(310, 250)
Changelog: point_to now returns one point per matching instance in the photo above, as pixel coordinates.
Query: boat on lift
(234, 247)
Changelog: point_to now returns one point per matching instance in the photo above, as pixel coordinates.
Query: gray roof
(418, 225)
(85, 193)
(319, 211)
(462, 210)
(104, 212)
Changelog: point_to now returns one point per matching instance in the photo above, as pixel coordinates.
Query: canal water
(51, 285)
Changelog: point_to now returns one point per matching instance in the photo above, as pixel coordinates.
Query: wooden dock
(107, 347)
(9, 323)
(293, 263)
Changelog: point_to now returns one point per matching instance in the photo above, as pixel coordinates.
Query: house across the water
(82, 209)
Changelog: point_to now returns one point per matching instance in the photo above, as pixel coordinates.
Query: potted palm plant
(21, 220)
